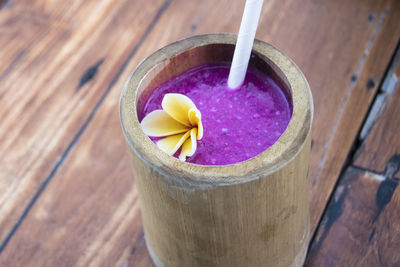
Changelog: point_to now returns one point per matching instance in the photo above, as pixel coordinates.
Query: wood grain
(339, 117)
(361, 226)
(57, 61)
(331, 41)
(383, 140)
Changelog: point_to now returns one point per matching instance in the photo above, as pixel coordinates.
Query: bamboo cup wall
(253, 213)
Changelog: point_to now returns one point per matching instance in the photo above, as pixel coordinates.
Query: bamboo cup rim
(191, 175)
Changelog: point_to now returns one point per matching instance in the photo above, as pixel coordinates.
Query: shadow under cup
(252, 213)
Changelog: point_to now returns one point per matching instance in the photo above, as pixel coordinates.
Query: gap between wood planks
(361, 136)
(380, 102)
(353, 182)
(65, 154)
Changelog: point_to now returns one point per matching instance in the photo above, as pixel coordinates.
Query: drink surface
(238, 124)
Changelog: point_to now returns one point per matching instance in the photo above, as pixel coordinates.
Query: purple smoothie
(238, 124)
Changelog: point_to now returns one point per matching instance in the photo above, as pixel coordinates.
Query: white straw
(244, 42)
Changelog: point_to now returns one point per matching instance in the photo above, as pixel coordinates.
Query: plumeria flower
(179, 122)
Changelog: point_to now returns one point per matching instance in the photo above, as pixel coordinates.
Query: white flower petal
(178, 106)
(179, 121)
(190, 146)
(158, 123)
(172, 143)
(195, 120)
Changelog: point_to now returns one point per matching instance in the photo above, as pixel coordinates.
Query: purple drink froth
(238, 124)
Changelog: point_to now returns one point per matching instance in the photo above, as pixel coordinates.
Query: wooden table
(67, 196)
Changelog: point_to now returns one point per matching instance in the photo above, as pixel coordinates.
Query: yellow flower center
(179, 122)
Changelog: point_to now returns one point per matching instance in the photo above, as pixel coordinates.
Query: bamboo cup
(252, 213)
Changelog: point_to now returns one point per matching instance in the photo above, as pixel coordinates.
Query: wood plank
(85, 199)
(90, 216)
(380, 137)
(361, 226)
(334, 138)
(56, 64)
